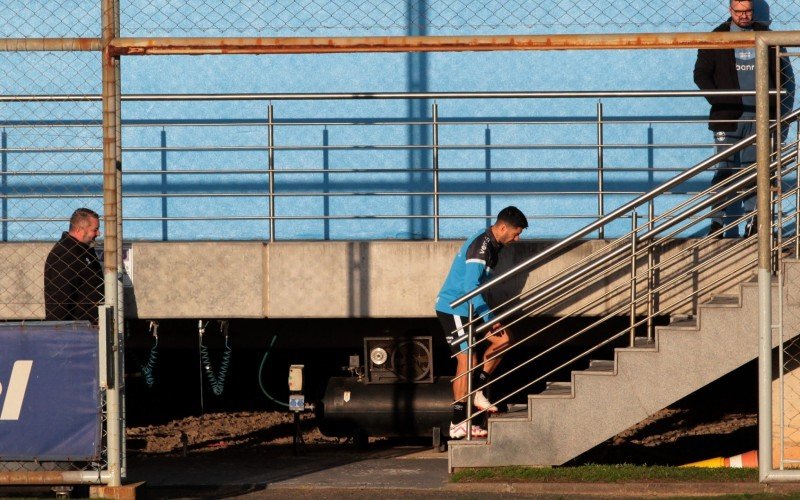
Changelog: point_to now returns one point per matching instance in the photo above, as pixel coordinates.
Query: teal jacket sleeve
(473, 277)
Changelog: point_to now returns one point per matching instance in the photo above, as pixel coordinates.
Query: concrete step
(610, 396)
(680, 324)
(601, 366)
(642, 343)
(559, 389)
(723, 301)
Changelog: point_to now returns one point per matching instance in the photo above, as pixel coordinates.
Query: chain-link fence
(48, 19)
(293, 17)
(51, 164)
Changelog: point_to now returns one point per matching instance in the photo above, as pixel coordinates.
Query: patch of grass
(605, 474)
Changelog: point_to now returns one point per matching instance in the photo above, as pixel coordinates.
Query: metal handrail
(321, 96)
(747, 263)
(568, 278)
(612, 216)
(436, 172)
(625, 250)
(575, 275)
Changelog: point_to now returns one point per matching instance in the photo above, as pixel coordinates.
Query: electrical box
(296, 378)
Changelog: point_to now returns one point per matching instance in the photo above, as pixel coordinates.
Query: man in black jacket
(732, 117)
(73, 276)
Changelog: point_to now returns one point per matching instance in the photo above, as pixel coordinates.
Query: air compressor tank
(351, 407)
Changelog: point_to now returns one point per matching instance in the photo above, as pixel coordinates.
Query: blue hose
(261, 368)
(217, 380)
(147, 370)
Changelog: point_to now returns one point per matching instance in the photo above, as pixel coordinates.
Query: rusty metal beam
(49, 44)
(299, 45)
(310, 45)
(51, 477)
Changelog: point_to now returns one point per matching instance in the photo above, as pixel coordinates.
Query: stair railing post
(600, 187)
(469, 372)
(650, 273)
(634, 218)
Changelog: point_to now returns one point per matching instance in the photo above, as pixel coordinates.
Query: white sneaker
(460, 431)
(480, 402)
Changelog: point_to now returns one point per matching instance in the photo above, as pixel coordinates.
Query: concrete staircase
(569, 418)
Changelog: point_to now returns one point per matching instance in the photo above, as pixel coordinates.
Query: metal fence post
(119, 307)
(764, 261)
(111, 166)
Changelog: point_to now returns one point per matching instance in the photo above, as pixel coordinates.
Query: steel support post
(763, 267)
(120, 305)
(111, 167)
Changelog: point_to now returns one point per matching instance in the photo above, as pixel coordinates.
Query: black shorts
(455, 332)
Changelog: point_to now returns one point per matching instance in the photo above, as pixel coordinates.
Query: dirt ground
(672, 436)
(214, 431)
(719, 420)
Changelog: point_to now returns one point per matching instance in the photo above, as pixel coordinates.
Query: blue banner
(49, 391)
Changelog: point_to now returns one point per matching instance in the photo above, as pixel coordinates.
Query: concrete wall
(329, 279)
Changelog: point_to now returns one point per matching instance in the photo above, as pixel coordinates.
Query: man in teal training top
(471, 267)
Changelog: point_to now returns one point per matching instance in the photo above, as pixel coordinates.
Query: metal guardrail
(640, 252)
(272, 189)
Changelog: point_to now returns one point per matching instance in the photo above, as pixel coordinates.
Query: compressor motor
(394, 394)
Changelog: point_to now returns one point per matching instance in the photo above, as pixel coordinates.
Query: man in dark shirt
(73, 276)
(732, 117)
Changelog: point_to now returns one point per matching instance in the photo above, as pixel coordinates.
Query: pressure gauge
(378, 356)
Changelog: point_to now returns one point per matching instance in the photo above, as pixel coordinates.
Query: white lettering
(745, 67)
(15, 393)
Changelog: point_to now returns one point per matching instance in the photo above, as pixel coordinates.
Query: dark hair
(80, 216)
(513, 216)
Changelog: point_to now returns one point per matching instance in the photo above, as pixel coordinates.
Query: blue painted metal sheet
(49, 397)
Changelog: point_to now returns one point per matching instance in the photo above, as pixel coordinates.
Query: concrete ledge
(367, 279)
